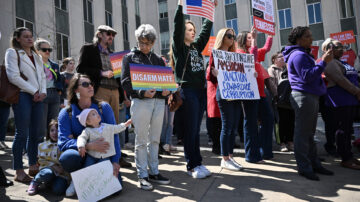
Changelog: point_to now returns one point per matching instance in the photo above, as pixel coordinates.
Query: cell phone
(330, 46)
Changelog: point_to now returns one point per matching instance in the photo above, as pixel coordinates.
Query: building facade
(69, 24)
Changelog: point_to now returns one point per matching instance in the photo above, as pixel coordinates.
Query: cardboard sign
(145, 77)
(263, 14)
(315, 51)
(95, 182)
(116, 62)
(209, 46)
(344, 37)
(236, 80)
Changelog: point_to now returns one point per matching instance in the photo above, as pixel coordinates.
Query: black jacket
(137, 57)
(90, 64)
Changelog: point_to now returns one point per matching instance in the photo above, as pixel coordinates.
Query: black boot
(3, 181)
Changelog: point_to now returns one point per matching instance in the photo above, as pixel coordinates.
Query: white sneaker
(166, 147)
(283, 148)
(229, 165)
(70, 191)
(205, 170)
(197, 173)
(237, 164)
(145, 184)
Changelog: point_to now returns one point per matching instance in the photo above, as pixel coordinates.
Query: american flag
(202, 8)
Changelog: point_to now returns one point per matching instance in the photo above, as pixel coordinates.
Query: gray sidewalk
(276, 180)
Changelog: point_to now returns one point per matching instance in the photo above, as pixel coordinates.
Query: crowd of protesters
(70, 108)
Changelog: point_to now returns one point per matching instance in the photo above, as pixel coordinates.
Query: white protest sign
(236, 80)
(95, 182)
(263, 14)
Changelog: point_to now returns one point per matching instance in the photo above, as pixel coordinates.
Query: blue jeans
(306, 108)
(28, 116)
(192, 111)
(230, 116)
(258, 142)
(168, 125)
(89, 160)
(51, 109)
(147, 116)
(4, 115)
(48, 177)
(122, 119)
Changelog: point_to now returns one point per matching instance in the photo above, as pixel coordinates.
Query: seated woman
(80, 95)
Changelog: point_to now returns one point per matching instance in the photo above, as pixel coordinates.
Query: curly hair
(297, 33)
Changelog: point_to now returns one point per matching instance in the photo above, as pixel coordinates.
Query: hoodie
(304, 74)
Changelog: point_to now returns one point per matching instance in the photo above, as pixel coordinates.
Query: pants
(122, 119)
(168, 125)
(191, 112)
(57, 183)
(342, 120)
(4, 116)
(28, 116)
(330, 130)
(51, 109)
(258, 142)
(215, 131)
(306, 108)
(147, 117)
(286, 124)
(230, 115)
(111, 97)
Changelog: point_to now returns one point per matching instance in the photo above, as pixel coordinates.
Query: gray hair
(145, 31)
(40, 41)
(326, 43)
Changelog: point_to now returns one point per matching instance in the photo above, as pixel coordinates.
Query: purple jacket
(304, 74)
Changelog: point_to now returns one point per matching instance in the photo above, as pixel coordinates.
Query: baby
(91, 119)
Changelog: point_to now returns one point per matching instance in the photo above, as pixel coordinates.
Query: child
(91, 119)
(50, 168)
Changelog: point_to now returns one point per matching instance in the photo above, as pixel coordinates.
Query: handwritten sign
(95, 182)
(209, 46)
(263, 13)
(145, 77)
(344, 37)
(116, 61)
(236, 75)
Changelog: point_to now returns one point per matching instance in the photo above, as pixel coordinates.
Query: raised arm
(267, 47)
(179, 27)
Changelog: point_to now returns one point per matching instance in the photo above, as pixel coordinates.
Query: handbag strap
(184, 69)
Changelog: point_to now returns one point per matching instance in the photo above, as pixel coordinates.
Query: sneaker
(166, 147)
(229, 165)
(236, 164)
(196, 173)
(205, 170)
(172, 148)
(33, 188)
(159, 179)
(70, 191)
(129, 145)
(283, 148)
(145, 184)
(290, 146)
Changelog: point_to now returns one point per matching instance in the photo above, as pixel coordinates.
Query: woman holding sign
(258, 143)
(230, 110)
(147, 109)
(190, 74)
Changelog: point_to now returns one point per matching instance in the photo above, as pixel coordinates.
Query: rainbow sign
(116, 62)
(145, 77)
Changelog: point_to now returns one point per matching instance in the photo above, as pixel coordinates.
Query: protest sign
(263, 13)
(315, 51)
(116, 61)
(236, 80)
(344, 37)
(145, 77)
(209, 46)
(95, 182)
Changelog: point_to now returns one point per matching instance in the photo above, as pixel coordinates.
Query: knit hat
(83, 116)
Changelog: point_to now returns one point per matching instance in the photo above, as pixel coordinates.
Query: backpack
(284, 91)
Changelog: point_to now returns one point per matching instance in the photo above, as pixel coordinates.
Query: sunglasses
(86, 84)
(230, 36)
(46, 49)
(110, 33)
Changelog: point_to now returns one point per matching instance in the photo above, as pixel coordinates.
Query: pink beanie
(83, 116)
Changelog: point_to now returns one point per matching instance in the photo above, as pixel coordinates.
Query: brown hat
(105, 28)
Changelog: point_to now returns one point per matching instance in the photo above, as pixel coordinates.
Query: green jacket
(195, 70)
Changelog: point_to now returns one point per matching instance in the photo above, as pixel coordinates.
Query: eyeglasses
(110, 33)
(230, 36)
(145, 44)
(46, 49)
(86, 84)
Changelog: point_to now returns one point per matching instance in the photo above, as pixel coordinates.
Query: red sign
(349, 57)
(344, 37)
(315, 51)
(264, 26)
(209, 46)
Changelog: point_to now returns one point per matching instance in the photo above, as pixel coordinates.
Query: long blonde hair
(220, 39)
